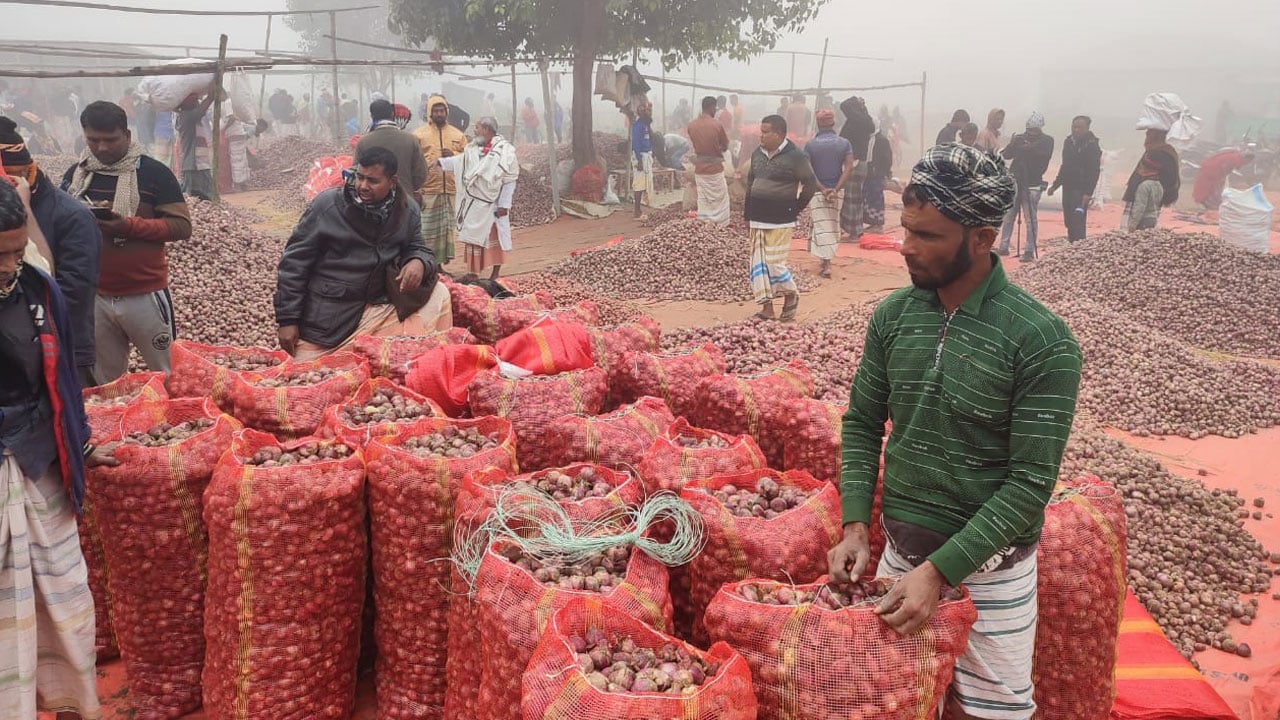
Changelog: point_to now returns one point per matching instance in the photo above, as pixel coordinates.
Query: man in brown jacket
(439, 139)
(385, 133)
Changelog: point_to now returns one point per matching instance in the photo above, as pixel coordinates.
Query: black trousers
(1074, 212)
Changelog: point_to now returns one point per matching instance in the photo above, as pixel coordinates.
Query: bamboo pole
(217, 115)
(337, 102)
(924, 85)
(162, 11)
(262, 87)
(515, 106)
(822, 70)
(551, 140)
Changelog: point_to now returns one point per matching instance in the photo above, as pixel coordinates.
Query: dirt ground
(1247, 464)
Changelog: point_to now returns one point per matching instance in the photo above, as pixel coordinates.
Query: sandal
(789, 307)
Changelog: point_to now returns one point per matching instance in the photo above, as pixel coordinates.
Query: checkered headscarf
(966, 184)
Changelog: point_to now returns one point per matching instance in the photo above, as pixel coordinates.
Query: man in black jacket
(1078, 175)
(73, 236)
(357, 249)
(1030, 153)
(858, 129)
(779, 184)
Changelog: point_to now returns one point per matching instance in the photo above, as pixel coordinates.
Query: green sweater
(981, 405)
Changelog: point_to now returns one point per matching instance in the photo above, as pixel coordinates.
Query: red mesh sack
(555, 688)
(1081, 586)
(548, 347)
(748, 404)
(670, 376)
(336, 424)
(619, 438)
(486, 317)
(480, 491)
(411, 513)
(148, 509)
(513, 611)
(199, 370)
(105, 404)
(444, 374)
(513, 320)
(475, 501)
(811, 429)
(587, 183)
(95, 561)
(808, 661)
(295, 411)
(389, 355)
(668, 463)
(287, 558)
(791, 546)
(531, 403)
(609, 343)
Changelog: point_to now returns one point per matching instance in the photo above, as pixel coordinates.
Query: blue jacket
(641, 142)
(70, 425)
(76, 242)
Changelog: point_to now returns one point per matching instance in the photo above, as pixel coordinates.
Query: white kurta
(485, 183)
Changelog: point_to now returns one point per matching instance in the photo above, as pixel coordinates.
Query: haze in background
(1084, 56)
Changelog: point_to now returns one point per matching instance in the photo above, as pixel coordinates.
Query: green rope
(539, 526)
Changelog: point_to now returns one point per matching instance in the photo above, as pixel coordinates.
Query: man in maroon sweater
(140, 208)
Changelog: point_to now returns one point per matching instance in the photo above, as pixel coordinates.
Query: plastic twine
(538, 525)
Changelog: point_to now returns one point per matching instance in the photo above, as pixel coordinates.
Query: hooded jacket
(430, 140)
(858, 129)
(336, 261)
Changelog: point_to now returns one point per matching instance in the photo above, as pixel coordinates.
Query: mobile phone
(102, 213)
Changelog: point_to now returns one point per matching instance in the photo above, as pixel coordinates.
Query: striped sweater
(981, 404)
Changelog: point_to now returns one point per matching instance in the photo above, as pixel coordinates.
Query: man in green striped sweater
(979, 380)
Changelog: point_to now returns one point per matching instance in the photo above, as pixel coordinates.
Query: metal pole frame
(337, 98)
(266, 52)
(217, 115)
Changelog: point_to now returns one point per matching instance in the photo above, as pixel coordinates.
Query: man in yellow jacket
(438, 139)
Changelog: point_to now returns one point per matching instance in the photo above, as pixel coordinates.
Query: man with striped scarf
(980, 382)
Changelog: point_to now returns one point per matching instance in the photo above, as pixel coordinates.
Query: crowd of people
(84, 282)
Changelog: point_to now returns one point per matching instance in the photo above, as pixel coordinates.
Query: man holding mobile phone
(140, 208)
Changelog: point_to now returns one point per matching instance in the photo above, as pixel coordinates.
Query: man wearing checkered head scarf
(1028, 154)
(980, 380)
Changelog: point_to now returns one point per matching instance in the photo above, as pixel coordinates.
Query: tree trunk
(590, 32)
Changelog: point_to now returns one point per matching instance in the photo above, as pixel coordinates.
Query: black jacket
(76, 242)
(881, 158)
(1030, 155)
(778, 188)
(336, 263)
(858, 127)
(1081, 163)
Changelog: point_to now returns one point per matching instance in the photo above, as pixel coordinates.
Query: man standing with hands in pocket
(979, 380)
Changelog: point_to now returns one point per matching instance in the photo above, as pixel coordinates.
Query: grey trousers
(143, 321)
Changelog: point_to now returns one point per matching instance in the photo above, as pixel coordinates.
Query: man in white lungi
(710, 143)
(485, 175)
(46, 610)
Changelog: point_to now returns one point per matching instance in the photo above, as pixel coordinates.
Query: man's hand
(911, 602)
(24, 190)
(410, 277)
(829, 194)
(446, 152)
(103, 455)
(1052, 189)
(847, 560)
(288, 336)
(115, 227)
(1086, 200)
(501, 212)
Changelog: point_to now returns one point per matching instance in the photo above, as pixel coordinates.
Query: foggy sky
(977, 54)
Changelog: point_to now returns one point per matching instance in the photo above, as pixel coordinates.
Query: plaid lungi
(851, 210)
(439, 227)
(873, 201)
(770, 275)
(826, 227)
(46, 611)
